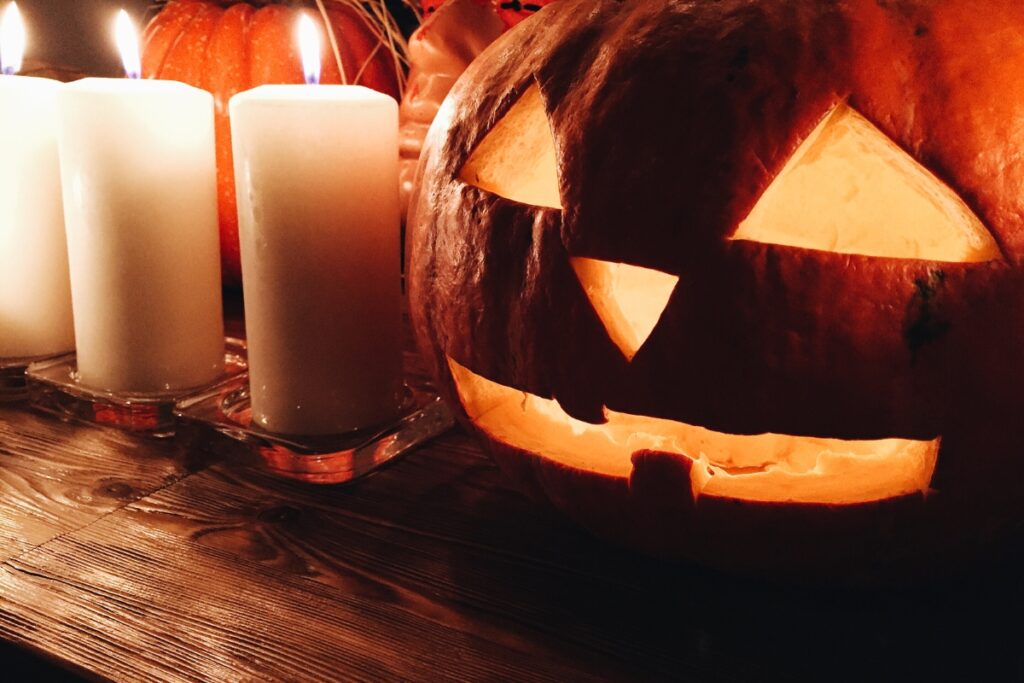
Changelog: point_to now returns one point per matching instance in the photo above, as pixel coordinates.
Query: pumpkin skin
(227, 48)
(670, 121)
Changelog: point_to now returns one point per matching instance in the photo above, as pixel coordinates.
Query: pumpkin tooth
(660, 476)
(581, 408)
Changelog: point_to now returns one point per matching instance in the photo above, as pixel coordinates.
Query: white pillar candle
(137, 160)
(35, 297)
(317, 181)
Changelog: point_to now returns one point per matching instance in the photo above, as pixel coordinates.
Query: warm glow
(849, 189)
(516, 160)
(629, 300)
(12, 40)
(762, 467)
(309, 46)
(128, 44)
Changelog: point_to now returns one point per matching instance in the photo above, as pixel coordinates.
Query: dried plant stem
(334, 43)
(382, 24)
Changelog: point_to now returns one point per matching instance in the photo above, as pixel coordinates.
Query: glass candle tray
(53, 388)
(225, 410)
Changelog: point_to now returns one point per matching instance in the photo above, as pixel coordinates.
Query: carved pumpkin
(739, 281)
(228, 47)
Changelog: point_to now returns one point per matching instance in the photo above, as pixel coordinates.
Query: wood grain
(230, 574)
(55, 477)
(434, 570)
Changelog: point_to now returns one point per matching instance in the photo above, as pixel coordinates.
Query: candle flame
(128, 43)
(309, 46)
(12, 41)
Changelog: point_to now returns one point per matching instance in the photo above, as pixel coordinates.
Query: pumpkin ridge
(366, 62)
(342, 15)
(171, 21)
(202, 11)
(207, 47)
(245, 68)
(378, 35)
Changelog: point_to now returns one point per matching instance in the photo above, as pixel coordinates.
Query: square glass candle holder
(53, 387)
(225, 411)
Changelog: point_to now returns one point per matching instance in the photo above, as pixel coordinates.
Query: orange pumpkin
(737, 281)
(226, 48)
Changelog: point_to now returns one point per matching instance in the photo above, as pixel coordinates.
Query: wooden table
(124, 558)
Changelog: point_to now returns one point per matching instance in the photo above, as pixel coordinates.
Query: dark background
(77, 34)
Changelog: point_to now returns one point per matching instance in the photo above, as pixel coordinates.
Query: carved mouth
(767, 467)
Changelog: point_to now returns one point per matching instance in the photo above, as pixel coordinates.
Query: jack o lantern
(227, 47)
(739, 282)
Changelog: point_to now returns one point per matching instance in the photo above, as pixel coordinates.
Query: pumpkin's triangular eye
(849, 189)
(516, 160)
(629, 300)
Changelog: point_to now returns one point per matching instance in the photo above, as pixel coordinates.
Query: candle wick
(134, 76)
(311, 79)
(8, 71)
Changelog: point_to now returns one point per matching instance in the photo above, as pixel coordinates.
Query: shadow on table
(682, 622)
(522, 583)
(22, 665)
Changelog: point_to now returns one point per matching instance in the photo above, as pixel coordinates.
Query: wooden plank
(223, 589)
(431, 570)
(57, 477)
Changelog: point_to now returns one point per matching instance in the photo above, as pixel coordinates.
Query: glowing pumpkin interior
(847, 189)
(762, 467)
(516, 159)
(850, 189)
(629, 300)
